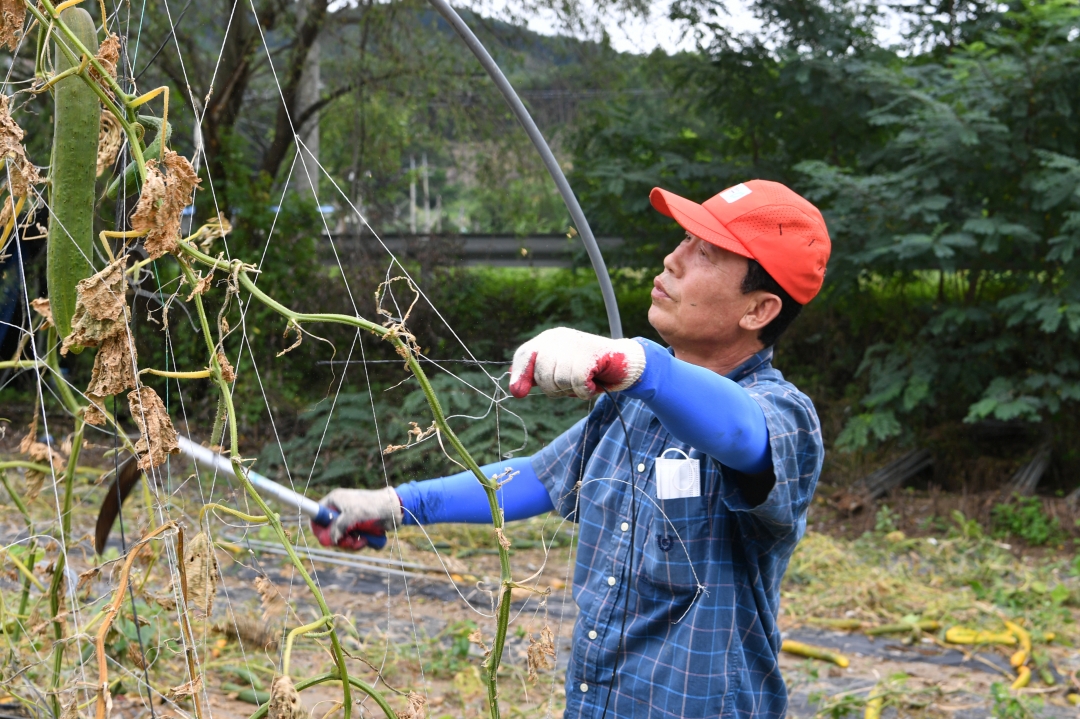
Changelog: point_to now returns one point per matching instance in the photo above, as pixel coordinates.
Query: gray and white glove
(364, 518)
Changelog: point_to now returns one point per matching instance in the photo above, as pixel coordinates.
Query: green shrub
(1024, 518)
(342, 443)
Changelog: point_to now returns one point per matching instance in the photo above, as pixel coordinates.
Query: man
(690, 481)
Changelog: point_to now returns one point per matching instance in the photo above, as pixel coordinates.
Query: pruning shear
(128, 476)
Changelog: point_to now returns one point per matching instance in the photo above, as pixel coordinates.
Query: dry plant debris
(157, 436)
(213, 230)
(100, 305)
(42, 307)
(164, 197)
(416, 708)
(187, 689)
(201, 285)
(227, 372)
(284, 700)
(110, 139)
(541, 652)
(201, 569)
(108, 55)
(12, 15)
(23, 172)
(100, 321)
(40, 453)
(252, 631)
(270, 600)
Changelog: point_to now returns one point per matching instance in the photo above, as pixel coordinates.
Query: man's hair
(758, 279)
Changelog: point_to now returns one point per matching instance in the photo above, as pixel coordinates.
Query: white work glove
(366, 515)
(564, 362)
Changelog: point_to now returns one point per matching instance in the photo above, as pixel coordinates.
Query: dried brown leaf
(213, 230)
(108, 55)
(71, 711)
(284, 700)
(100, 305)
(23, 172)
(253, 631)
(95, 411)
(201, 285)
(86, 577)
(40, 453)
(201, 569)
(114, 367)
(539, 652)
(503, 541)
(42, 307)
(164, 197)
(271, 601)
(187, 689)
(416, 708)
(110, 140)
(157, 436)
(136, 656)
(227, 372)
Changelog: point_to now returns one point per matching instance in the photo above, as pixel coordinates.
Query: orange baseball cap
(764, 221)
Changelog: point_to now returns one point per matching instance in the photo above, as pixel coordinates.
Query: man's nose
(673, 261)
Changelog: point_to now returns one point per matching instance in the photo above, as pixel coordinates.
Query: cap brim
(696, 220)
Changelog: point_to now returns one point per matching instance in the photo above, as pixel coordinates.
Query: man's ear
(763, 309)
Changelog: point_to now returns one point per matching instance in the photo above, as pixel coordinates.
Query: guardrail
(492, 250)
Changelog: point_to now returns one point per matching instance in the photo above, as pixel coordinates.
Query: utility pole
(412, 194)
(427, 196)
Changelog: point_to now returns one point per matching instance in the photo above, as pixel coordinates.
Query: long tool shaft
(210, 459)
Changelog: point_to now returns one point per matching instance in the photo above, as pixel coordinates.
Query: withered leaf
(284, 700)
(42, 307)
(95, 411)
(110, 140)
(227, 372)
(201, 569)
(416, 708)
(136, 656)
(212, 230)
(100, 306)
(23, 172)
(114, 367)
(271, 601)
(157, 436)
(539, 652)
(186, 689)
(108, 55)
(253, 631)
(40, 453)
(201, 285)
(163, 198)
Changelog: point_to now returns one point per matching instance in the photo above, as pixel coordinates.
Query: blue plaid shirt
(700, 638)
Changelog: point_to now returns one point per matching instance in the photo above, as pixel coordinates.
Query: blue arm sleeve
(704, 409)
(460, 498)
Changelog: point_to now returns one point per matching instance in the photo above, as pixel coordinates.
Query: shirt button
(624, 526)
(611, 581)
(584, 687)
(641, 467)
(592, 634)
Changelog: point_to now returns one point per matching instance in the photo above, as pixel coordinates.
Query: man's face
(698, 300)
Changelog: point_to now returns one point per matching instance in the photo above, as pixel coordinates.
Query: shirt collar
(754, 363)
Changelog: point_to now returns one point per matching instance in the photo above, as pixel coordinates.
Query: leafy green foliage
(1008, 705)
(343, 443)
(1025, 518)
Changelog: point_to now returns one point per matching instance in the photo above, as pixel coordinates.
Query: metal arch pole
(523, 116)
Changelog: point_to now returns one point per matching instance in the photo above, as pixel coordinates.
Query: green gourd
(76, 123)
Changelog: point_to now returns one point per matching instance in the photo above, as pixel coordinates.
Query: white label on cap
(735, 193)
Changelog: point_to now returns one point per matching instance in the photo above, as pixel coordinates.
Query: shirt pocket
(675, 552)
